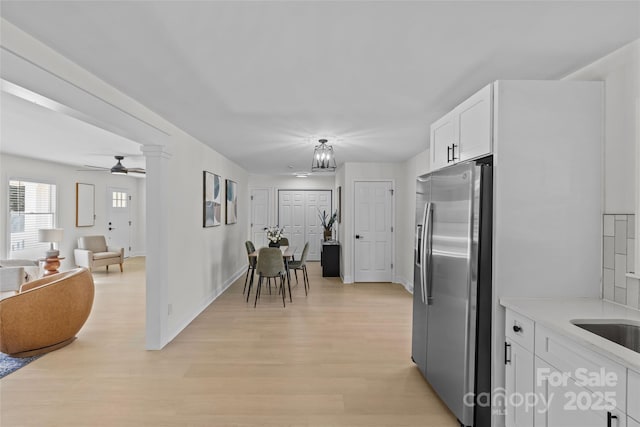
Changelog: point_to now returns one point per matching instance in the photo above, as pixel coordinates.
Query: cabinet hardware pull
(453, 152)
(507, 354)
(610, 417)
(517, 328)
(448, 156)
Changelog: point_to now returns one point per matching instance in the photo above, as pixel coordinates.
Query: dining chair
(302, 266)
(284, 242)
(252, 264)
(270, 265)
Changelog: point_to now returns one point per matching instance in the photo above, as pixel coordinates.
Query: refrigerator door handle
(417, 245)
(421, 252)
(426, 253)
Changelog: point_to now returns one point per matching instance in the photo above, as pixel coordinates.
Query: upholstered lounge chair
(93, 252)
(47, 313)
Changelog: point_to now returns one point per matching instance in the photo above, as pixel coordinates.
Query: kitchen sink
(620, 332)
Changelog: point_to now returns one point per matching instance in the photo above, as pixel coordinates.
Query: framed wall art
(232, 202)
(212, 200)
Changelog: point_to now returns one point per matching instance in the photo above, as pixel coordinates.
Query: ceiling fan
(117, 169)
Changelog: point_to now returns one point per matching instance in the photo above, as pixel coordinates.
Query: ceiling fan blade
(119, 167)
(92, 169)
(136, 170)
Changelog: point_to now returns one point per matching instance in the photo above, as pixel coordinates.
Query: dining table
(287, 254)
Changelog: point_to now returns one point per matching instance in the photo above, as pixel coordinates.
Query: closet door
(291, 215)
(295, 230)
(298, 213)
(316, 202)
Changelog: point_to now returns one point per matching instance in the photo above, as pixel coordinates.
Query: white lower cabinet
(551, 381)
(518, 385)
(562, 402)
(633, 395)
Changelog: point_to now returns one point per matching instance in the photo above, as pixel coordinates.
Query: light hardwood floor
(339, 357)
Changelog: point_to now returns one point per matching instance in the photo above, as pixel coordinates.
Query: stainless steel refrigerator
(451, 341)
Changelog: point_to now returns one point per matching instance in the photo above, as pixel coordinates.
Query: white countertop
(557, 313)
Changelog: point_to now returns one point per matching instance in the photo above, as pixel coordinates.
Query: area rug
(10, 364)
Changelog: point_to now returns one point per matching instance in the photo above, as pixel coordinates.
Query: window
(119, 199)
(32, 205)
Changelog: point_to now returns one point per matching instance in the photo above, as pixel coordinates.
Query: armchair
(93, 252)
(46, 314)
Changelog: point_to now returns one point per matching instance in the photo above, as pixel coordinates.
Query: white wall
(405, 216)
(140, 220)
(340, 182)
(204, 261)
(366, 171)
(65, 178)
(620, 71)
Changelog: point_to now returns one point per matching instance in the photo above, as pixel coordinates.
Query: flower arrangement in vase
(274, 234)
(327, 222)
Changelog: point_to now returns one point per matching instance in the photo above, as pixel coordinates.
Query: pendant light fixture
(323, 158)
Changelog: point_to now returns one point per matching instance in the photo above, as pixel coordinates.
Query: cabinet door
(633, 394)
(566, 404)
(518, 383)
(566, 356)
(632, 423)
(442, 138)
(474, 126)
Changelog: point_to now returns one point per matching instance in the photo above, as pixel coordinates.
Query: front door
(118, 222)
(373, 228)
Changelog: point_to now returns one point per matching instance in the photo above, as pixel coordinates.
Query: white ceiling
(41, 133)
(256, 80)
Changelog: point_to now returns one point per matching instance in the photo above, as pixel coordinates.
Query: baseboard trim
(347, 280)
(405, 283)
(211, 298)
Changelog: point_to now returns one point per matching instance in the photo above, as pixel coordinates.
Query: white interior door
(291, 216)
(373, 231)
(316, 201)
(298, 213)
(259, 216)
(118, 219)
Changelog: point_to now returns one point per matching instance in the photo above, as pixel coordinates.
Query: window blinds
(32, 205)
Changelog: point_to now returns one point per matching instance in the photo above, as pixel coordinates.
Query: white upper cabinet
(464, 133)
(442, 140)
(474, 125)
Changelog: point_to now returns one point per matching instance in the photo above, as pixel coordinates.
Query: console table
(330, 258)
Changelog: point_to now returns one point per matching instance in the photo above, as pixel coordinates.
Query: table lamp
(51, 235)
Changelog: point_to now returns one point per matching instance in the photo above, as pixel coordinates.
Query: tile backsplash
(618, 258)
